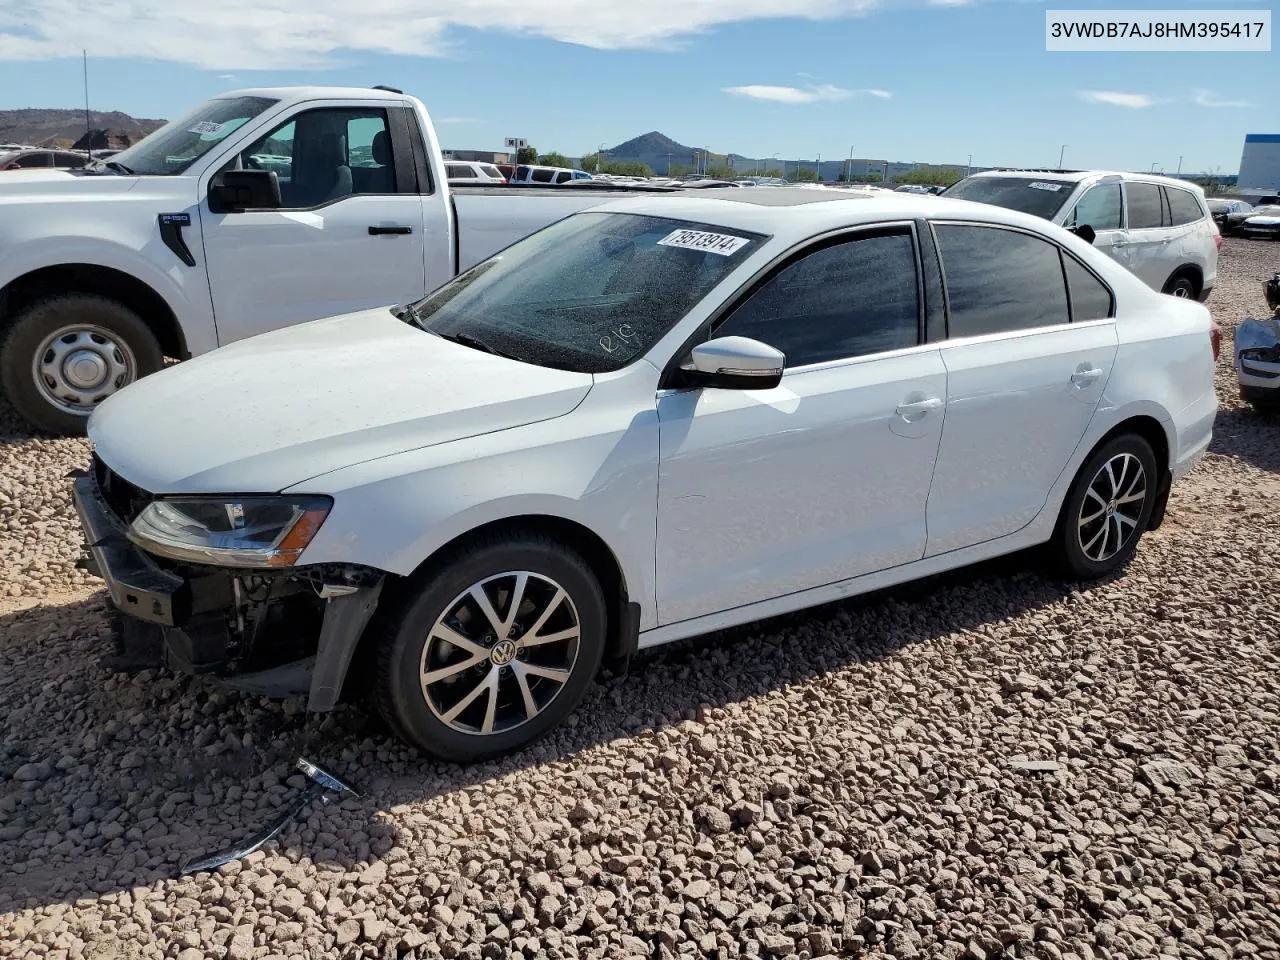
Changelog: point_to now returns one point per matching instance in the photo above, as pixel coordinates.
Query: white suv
(1158, 227)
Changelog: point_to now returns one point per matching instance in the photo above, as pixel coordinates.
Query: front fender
(395, 512)
(136, 251)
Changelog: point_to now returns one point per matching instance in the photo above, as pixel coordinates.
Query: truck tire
(62, 356)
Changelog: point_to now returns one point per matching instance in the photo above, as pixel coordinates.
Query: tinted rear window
(1184, 207)
(1040, 197)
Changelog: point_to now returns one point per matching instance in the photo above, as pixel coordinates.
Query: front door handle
(392, 231)
(918, 408)
(1085, 376)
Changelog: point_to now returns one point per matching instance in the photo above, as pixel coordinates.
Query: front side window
(1183, 207)
(180, 143)
(1098, 208)
(541, 176)
(324, 155)
(846, 300)
(72, 161)
(1146, 210)
(999, 281)
(1040, 197)
(41, 159)
(590, 293)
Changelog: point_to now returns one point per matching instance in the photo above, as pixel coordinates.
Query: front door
(1023, 379)
(1101, 207)
(765, 493)
(348, 236)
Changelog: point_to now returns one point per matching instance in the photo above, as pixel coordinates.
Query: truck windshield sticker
(718, 243)
(206, 128)
(1041, 185)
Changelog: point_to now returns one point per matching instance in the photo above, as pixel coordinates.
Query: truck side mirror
(235, 191)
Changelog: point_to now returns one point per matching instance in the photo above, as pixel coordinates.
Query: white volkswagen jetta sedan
(664, 416)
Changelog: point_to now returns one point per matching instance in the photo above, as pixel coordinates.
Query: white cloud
(822, 93)
(1134, 101)
(300, 34)
(226, 76)
(1204, 98)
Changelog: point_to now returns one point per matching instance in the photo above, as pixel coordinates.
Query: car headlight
(266, 531)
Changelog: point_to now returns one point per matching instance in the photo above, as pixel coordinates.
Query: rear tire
(447, 682)
(1106, 510)
(1182, 286)
(63, 355)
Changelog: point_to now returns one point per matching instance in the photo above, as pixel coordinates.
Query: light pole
(969, 166)
(1062, 153)
(1153, 166)
(1179, 163)
(668, 163)
(848, 168)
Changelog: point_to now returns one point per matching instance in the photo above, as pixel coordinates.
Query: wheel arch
(1190, 270)
(622, 610)
(92, 278)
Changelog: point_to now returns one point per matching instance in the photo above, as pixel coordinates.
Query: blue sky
(909, 81)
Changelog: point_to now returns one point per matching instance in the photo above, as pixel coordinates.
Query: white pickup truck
(255, 210)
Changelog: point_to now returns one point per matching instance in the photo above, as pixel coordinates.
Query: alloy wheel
(500, 653)
(1112, 507)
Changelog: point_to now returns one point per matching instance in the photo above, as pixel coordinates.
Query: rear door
(1150, 232)
(348, 235)
(1026, 363)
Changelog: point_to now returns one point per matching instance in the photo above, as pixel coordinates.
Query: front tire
(1107, 509)
(64, 355)
(492, 648)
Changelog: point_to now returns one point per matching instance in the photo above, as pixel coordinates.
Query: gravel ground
(987, 765)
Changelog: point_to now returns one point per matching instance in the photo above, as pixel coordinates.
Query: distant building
(1260, 163)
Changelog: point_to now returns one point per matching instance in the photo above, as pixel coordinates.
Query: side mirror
(234, 191)
(1085, 233)
(734, 363)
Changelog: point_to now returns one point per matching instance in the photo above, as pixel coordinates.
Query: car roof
(1075, 176)
(795, 214)
(313, 93)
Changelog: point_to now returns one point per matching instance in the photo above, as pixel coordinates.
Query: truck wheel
(64, 355)
(1107, 509)
(492, 648)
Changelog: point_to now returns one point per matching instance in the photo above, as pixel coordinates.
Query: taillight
(1215, 339)
(1217, 240)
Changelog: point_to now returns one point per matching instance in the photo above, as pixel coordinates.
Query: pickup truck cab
(255, 210)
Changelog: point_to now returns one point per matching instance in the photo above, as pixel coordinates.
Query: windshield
(1042, 197)
(1266, 210)
(590, 293)
(180, 143)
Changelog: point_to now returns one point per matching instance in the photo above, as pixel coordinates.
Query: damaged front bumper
(271, 632)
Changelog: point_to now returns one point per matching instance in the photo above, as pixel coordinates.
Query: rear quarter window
(1184, 207)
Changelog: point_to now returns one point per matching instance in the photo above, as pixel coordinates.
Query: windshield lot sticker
(1041, 185)
(206, 128)
(720, 243)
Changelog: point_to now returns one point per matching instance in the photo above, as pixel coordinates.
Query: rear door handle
(907, 411)
(1086, 376)
(393, 231)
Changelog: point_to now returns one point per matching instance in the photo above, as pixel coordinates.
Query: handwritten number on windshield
(623, 336)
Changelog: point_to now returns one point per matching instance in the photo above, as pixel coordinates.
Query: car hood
(1263, 220)
(271, 411)
(28, 185)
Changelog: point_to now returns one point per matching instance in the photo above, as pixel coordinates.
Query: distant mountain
(62, 128)
(657, 150)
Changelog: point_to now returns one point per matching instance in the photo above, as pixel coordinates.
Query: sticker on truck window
(206, 128)
(720, 243)
(1042, 185)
